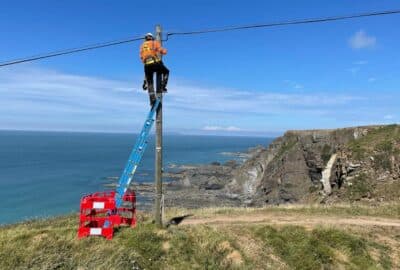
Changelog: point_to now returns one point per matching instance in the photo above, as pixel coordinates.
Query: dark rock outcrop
(310, 165)
(325, 166)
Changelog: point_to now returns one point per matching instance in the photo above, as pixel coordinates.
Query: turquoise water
(46, 173)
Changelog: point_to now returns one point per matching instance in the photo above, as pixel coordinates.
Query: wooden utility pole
(158, 166)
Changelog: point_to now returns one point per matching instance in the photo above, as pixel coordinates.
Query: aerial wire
(201, 31)
(69, 51)
(285, 23)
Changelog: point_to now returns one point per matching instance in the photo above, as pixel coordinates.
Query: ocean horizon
(45, 173)
(170, 133)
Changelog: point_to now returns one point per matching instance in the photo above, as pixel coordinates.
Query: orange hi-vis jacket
(150, 50)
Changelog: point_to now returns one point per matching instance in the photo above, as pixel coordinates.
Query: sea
(44, 174)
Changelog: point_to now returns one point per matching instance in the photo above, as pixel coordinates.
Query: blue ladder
(135, 156)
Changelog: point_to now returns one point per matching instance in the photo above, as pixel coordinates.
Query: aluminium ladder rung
(136, 155)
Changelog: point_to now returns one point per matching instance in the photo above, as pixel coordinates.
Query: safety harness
(151, 59)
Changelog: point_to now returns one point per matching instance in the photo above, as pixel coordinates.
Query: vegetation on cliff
(364, 164)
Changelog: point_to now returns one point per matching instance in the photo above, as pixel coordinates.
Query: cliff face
(323, 165)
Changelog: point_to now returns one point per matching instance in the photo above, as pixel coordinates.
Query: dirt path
(293, 219)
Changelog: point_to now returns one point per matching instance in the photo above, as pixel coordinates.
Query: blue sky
(255, 82)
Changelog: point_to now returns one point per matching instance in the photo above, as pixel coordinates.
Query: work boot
(144, 86)
(152, 99)
(150, 87)
(164, 87)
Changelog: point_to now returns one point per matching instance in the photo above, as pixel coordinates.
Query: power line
(204, 31)
(284, 23)
(69, 51)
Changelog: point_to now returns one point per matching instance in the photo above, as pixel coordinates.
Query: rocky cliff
(360, 163)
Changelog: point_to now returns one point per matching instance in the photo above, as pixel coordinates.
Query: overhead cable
(285, 23)
(203, 31)
(69, 51)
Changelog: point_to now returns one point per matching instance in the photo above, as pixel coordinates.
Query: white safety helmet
(149, 36)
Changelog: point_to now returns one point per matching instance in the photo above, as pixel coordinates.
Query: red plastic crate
(99, 215)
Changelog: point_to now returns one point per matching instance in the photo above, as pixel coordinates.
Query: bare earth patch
(290, 219)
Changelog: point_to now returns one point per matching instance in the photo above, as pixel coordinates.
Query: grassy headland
(296, 237)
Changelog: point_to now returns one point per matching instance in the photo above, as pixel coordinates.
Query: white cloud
(361, 40)
(239, 101)
(45, 99)
(361, 62)
(219, 128)
(389, 117)
(372, 79)
(294, 84)
(354, 70)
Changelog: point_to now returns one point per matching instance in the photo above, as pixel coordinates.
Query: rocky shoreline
(194, 186)
(308, 166)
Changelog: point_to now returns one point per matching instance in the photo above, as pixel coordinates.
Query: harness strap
(151, 60)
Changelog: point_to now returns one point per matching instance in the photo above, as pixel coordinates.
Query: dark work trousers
(157, 68)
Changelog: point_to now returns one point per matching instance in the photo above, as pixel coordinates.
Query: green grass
(285, 147)
(203, 247)
(53, 244)
(360, 187)
(146, 243)
(379, 153)
(318, 249)
(380, 139)
(296, 247)
(382, 162)
(385, 146)
(326, 153)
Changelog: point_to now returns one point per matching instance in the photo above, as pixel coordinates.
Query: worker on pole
(150, 52)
